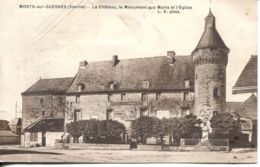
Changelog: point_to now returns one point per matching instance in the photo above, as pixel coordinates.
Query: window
(80, 87)
(109, 114)
(146, 84)
(41, 101)
(187, 83)
(77, 115)
(158, 96)
(144, 97)
(43, 112)
(143, 112)
(123, 97)
(33, 136)
(111, 86)
(109, 97)
(185, 95)
(216, 92)
(77, 99)
(162, 114)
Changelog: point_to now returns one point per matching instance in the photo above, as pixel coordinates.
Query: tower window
(216, 92)
(41, 101)
(144, 97)
(43, 112)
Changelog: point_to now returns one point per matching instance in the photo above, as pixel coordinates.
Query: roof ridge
(138, 58)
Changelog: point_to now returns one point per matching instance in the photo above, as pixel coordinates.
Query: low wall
(89, 146)
(9, 140)
(149, 147)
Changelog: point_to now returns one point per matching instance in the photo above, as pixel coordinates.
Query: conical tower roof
(210, 37)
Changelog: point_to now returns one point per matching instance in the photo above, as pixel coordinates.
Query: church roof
(54, 85)
(247, 81)
(130, 74)
(210, 37)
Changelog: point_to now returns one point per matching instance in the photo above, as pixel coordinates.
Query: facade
(126, 89)
(43, 101)
(247, 84)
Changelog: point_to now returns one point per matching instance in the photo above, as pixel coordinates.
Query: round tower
(210, 58)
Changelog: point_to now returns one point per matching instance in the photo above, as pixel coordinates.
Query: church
(126, 89)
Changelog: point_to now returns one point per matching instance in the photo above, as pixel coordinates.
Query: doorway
(43, 138)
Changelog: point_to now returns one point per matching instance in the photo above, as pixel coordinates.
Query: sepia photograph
(128, 81)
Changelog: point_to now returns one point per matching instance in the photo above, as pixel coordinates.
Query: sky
(50, 43)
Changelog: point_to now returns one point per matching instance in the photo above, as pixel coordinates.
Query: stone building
(126, 89)
(247, 84)
(43, 108)
(210, 59)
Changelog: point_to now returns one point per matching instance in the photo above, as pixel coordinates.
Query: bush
(187, 127)
(145, 127)
(96, 131)
(224, 126)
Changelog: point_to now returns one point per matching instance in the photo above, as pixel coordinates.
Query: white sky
(32, 46)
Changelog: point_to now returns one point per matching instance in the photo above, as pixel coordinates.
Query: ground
(43, 154)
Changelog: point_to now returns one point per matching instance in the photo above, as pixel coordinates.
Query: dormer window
(146, 84)
(187, 83)
(113, 85)
(80, 87)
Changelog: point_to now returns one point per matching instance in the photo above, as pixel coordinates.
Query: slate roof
(249, 108)
(46, 124)
(54, 85)
(210, 37)
(248, 77)
(4, 125)
(129, 74)
(233, 105)
(7, 133)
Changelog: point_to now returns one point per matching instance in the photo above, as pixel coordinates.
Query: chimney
(83, 64)
(115, 60)
(171, 56)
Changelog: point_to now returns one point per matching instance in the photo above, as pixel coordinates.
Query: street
(43, 154)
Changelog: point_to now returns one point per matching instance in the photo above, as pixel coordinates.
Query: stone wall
(34, 106)
(210, 80)
(95, 106)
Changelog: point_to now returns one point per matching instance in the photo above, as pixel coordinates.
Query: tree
(224, 126)
(190, 127)
(187, 127)
(74, 129)
(105, 131)
(145, 127)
